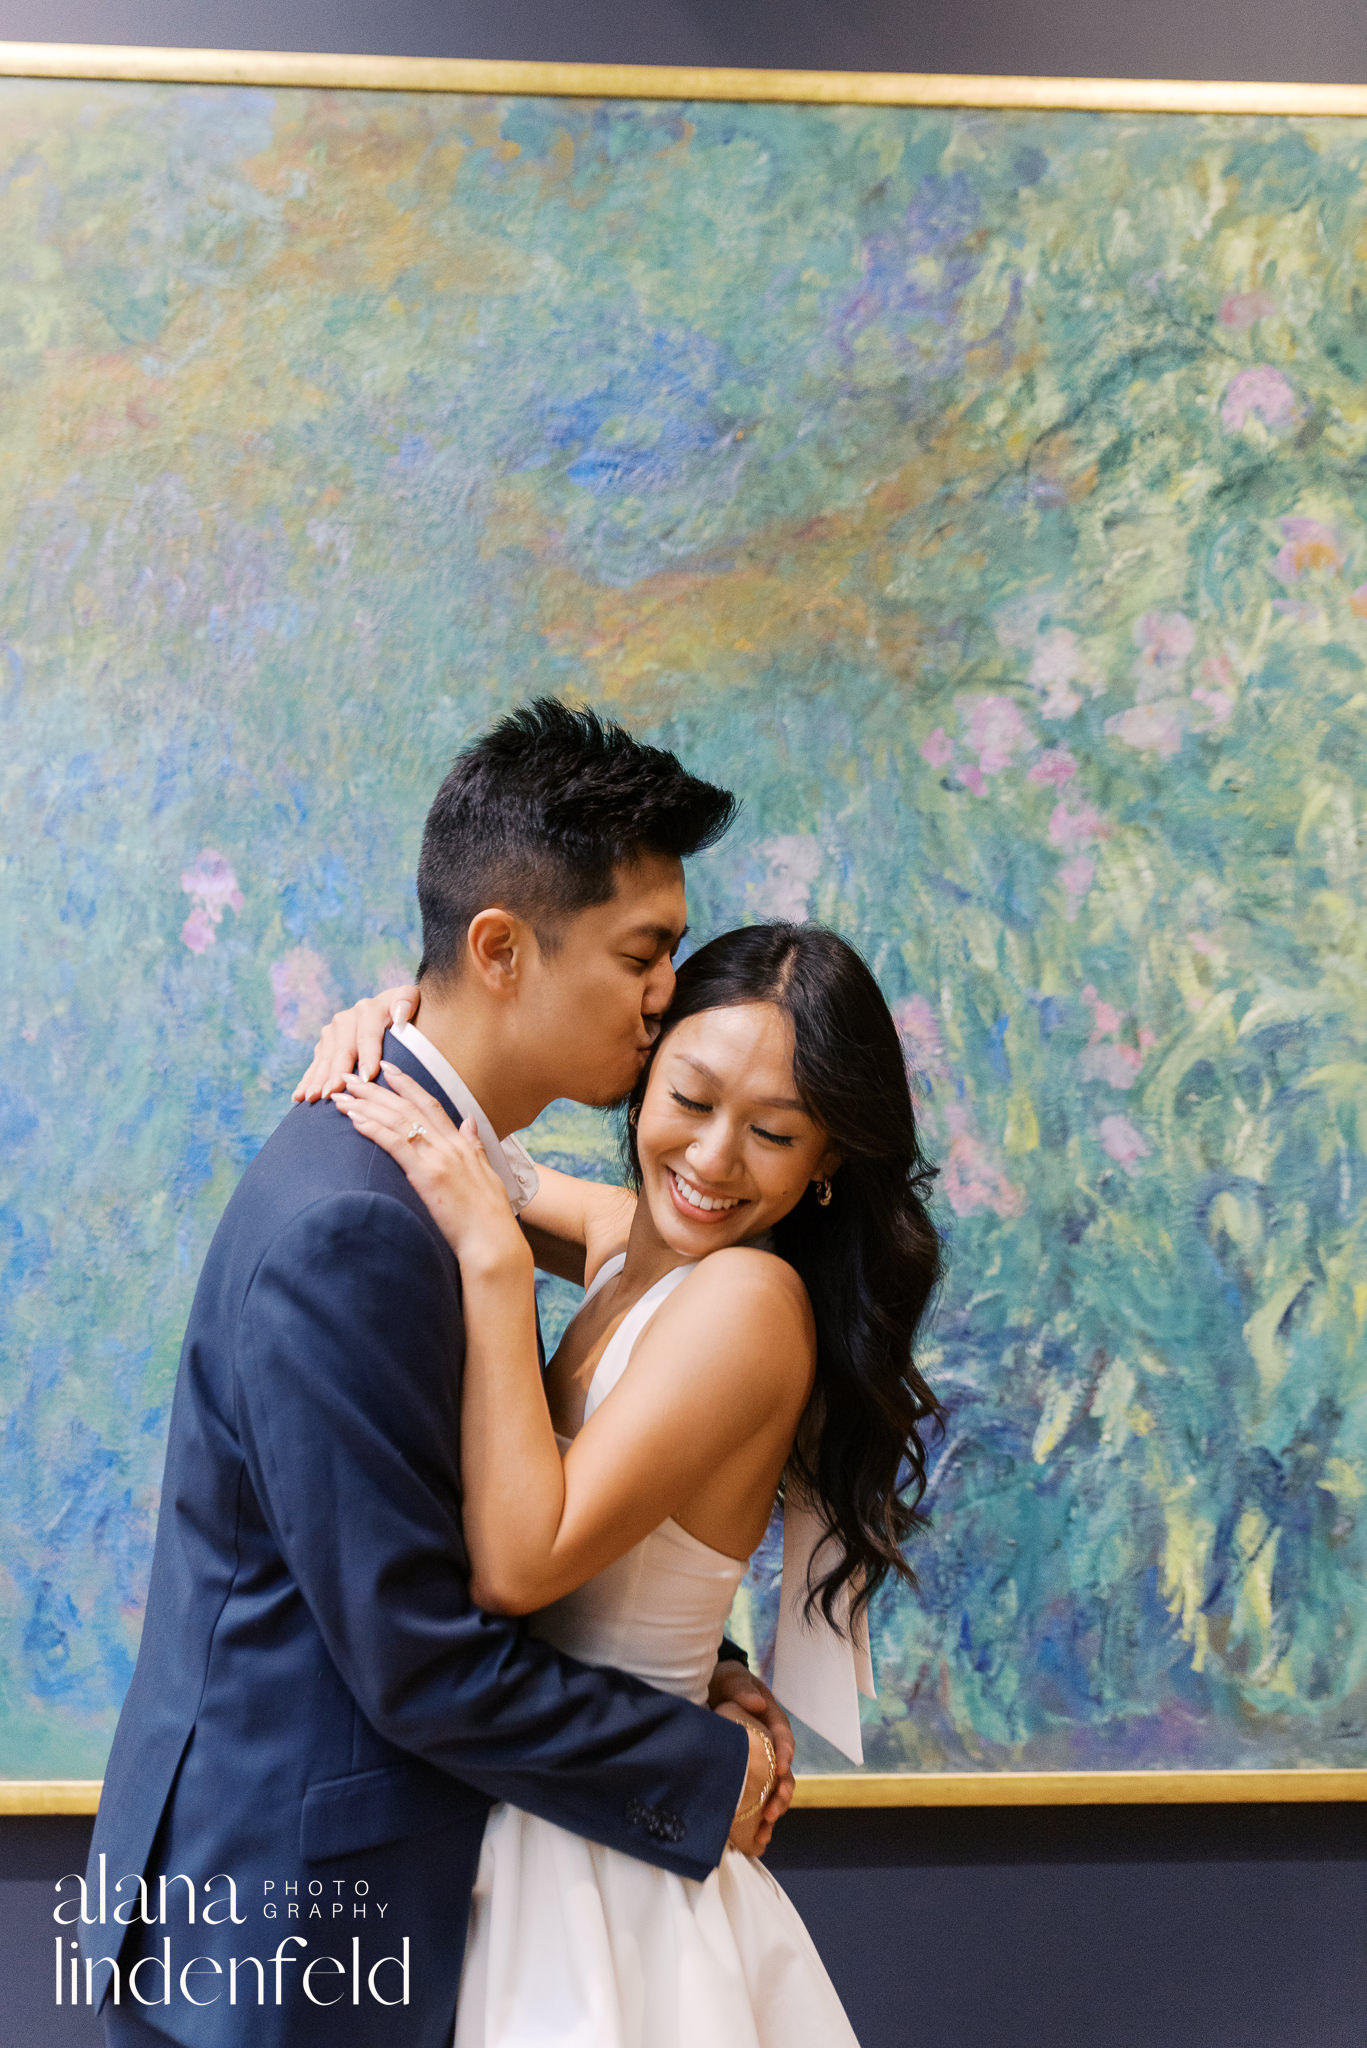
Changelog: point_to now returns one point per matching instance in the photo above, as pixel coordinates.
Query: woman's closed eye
(705, 1109)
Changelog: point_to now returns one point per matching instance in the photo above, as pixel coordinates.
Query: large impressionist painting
(984, 496)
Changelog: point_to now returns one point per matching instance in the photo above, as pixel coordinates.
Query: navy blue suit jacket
(317, 1704)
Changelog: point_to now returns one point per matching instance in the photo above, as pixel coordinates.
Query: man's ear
(496, 946)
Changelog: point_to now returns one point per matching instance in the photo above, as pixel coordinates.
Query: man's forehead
(649, 897)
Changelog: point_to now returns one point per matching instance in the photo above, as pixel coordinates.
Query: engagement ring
(415, 1131)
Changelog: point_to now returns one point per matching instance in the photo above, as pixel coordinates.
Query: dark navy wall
(1139, 1928)
(1317, 39)
(1182, 1928)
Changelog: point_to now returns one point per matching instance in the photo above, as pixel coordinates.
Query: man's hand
(735, 1686)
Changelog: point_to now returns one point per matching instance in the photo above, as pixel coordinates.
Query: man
(320, 1718)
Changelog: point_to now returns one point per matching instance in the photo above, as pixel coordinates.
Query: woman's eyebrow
(762, 1101)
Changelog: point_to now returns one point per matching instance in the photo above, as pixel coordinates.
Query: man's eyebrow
(764, 1101)
(663, 934)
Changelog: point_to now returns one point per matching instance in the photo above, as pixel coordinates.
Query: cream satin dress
(582, 1946)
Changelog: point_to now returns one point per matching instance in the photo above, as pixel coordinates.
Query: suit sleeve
(350, 1372)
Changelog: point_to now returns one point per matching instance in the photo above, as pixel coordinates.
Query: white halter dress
(573, 1945)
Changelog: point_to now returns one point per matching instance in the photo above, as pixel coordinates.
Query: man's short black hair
(536, 817)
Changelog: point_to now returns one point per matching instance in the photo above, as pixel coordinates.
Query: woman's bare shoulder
(753, 1292)
(749, 1266)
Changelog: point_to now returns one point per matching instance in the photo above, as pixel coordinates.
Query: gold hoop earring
(823, 1193)
(634, 1115)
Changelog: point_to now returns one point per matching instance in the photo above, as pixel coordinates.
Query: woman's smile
(695, 1203)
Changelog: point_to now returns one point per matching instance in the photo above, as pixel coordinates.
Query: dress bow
(819, 1671)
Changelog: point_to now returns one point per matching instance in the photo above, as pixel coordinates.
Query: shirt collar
(510, 1161)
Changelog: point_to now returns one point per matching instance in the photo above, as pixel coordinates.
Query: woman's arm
(717, 1382)
(572, 1225)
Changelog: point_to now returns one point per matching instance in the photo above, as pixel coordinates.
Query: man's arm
(350, 1377)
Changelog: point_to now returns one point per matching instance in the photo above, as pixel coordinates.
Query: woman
(748, 1320)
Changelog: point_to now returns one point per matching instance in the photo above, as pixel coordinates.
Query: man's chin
(608, 1097)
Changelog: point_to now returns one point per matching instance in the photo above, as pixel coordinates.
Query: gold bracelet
(749, 1812)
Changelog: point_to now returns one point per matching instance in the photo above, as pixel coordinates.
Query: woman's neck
(648, 1258)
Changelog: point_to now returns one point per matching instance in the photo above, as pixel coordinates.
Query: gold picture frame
(131, 63)
(673, 81)
(919, 1788)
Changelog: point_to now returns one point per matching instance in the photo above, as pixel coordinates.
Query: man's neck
(482, 1058)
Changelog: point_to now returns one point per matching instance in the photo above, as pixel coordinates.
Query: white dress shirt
(510, 1161)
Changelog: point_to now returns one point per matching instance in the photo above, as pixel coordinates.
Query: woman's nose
(712, 1153)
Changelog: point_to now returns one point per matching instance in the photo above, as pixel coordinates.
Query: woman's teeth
(696, 1199)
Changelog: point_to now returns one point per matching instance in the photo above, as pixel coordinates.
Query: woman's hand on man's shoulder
(353, 1043)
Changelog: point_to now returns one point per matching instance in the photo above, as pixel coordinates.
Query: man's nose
(658, 993)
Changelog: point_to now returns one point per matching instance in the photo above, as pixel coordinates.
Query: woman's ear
(830, 1162)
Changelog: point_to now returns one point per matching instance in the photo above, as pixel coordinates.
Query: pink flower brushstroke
(1219, 706)
(1240, 309)
(1107, 1057)
(1122, 1142)
(198, 932)
(1307, 544)
(1166, 640)
(1217, 690)
(1054, 768)
(994, 730)
(937, 749)
(1151, 728)
(1257, 393)
(302, 992)
(1059, 662)
(972, 1178)
(1106, 1019)
(918, 1026)
(213, 885)
(1069, 830)
(1077, 876)
(1117, 1065)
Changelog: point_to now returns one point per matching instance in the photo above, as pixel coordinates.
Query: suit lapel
(399, 1056)
(416, 1071)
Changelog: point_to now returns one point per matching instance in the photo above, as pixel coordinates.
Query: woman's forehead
(750, 1041)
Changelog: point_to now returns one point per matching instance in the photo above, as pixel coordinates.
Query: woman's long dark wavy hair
(870, 1260)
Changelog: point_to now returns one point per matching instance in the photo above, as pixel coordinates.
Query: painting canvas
(981, 495)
